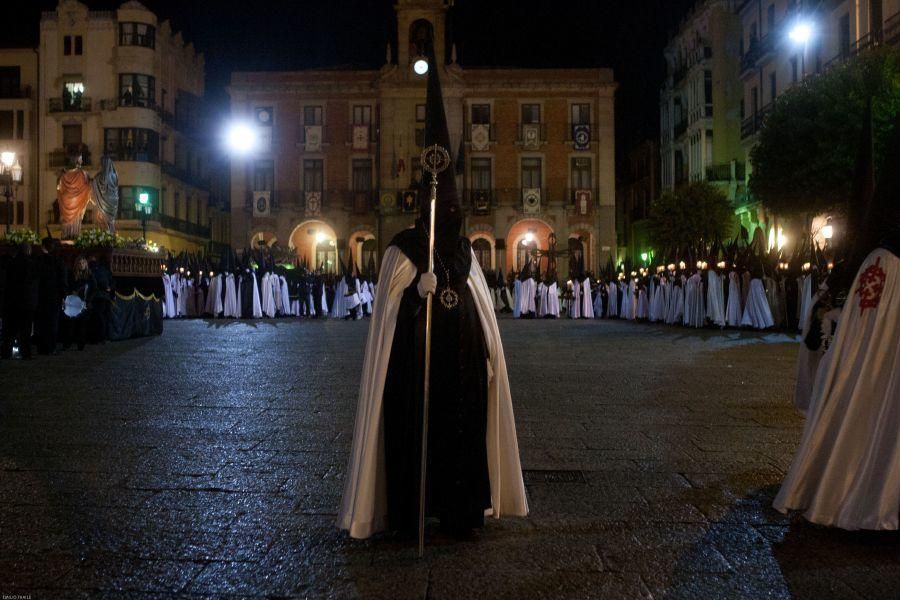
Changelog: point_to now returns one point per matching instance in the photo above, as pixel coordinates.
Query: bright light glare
(782, 240)
(828, 232)
(143, 197)
(320, 237)
(420, 66)
(644, 256)
(8, 158)
(529, 237)
(241, 138)
(801, 32)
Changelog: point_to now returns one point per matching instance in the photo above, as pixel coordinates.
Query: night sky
(627, 35)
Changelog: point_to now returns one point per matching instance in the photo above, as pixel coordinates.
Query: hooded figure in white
(473, 456)
(846, 471)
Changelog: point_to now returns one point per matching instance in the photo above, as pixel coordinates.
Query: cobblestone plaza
(210, 461)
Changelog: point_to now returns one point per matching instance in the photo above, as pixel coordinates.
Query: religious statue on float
(75, 189)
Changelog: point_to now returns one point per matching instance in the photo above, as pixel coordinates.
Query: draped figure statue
(75, 190)
(105, 194)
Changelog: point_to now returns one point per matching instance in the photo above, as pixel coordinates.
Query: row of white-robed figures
(224, 295)
(759, 303)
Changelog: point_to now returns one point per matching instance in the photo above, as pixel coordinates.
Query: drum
(73, 306)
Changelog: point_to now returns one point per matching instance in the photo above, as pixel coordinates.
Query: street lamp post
(144, 208)
(11, 176)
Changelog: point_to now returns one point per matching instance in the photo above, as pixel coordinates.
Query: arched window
(482, 249)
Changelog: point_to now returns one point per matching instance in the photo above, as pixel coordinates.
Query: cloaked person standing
(473, 465)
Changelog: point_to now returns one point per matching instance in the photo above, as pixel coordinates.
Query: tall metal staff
(435, 159)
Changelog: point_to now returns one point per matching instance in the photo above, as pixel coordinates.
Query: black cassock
(247, 287)
(458, 485)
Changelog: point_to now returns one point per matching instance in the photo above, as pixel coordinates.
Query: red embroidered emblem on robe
(871, 285)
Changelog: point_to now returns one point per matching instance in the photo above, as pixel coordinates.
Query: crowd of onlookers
(35, 285)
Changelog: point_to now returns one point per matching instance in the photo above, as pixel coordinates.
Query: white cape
(715, 298)
(757, 313)
(846, 472)
(363, 510)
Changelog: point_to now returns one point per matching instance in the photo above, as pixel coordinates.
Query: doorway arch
(315, 243)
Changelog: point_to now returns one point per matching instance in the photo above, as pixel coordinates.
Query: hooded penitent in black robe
(458, 487)
(247, 287)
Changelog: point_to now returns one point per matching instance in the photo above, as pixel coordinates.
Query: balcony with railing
(183, 226)
(8, 92)
(725, 172)
(492, 131)
(581, 201)
(891, 30)
(371, 134)
(570, 130)
(67, 156)
(165, 222)
(184, 175)
(680, 127)
(359, 202)
(754, 123)
(531, 133)
(133, 153)
(326, 133)
(480, 202)
(69, 105)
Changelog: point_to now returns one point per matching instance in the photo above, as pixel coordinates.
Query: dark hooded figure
(20, 302)
(461, 488)
(247, 288)
(51, 291)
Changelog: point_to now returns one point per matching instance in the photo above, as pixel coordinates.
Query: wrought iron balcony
(184, 175)
(570, 130)
(754, 123)
(733, 171)
(67, 156)
(541, 129)
(481, 202)
(891, 30)
(74, 104)
(492, 131)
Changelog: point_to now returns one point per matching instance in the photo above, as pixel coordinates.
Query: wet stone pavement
(210, 462)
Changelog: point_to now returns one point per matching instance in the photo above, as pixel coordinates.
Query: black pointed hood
(449, 215)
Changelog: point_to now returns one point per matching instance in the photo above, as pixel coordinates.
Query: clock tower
(420, 22)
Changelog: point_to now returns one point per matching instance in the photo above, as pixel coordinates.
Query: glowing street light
(644, 256)
(529, 237)
(320, 237)
(828, 229)
(801, 32)
(420, 66)
(241, 138)
(143, 208)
